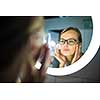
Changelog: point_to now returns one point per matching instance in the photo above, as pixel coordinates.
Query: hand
(77, 54)
(62, 60)
(38, 75)
(44, 58)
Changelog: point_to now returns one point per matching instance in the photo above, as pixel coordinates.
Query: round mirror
(71, 43)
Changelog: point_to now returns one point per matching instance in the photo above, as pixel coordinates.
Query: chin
(67, 53)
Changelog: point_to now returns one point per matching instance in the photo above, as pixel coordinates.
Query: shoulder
(55, 63)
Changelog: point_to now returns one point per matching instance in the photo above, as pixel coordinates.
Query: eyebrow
(68, 39)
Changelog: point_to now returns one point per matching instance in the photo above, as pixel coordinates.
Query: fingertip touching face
(69, 41)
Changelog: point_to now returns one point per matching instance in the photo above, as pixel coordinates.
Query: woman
(69, 49)
(20, 47)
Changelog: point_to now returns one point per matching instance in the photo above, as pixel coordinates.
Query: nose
(66, 43)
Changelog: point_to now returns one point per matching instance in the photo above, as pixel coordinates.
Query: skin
(68, 53)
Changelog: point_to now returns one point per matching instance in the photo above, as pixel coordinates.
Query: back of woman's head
(13, 35)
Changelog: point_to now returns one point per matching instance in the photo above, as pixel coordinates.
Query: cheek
(33, 49)
(72, 50)
(36, 42)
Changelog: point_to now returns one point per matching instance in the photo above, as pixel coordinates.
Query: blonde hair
(36, 24)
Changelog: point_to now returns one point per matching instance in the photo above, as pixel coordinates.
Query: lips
(66, 49)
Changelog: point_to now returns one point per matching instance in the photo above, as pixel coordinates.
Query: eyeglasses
(70, 41)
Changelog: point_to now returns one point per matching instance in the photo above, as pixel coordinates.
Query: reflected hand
(60, 58)
(77, 54)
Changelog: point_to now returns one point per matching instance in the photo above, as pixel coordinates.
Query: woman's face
(36, 39)
(36, 42)
(68, 42)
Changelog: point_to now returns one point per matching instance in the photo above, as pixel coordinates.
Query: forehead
(69, 34)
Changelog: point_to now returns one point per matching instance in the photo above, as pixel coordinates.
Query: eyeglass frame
(64, 40)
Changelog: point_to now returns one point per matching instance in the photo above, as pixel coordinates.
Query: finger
(42, 53)
(76, 54)
(59, 59)
(46, 62)
(40, 58)
(57, 52)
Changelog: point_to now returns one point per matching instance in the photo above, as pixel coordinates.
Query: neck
(69, 58)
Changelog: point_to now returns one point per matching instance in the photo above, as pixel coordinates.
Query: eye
(62, 41)
(71, 42)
